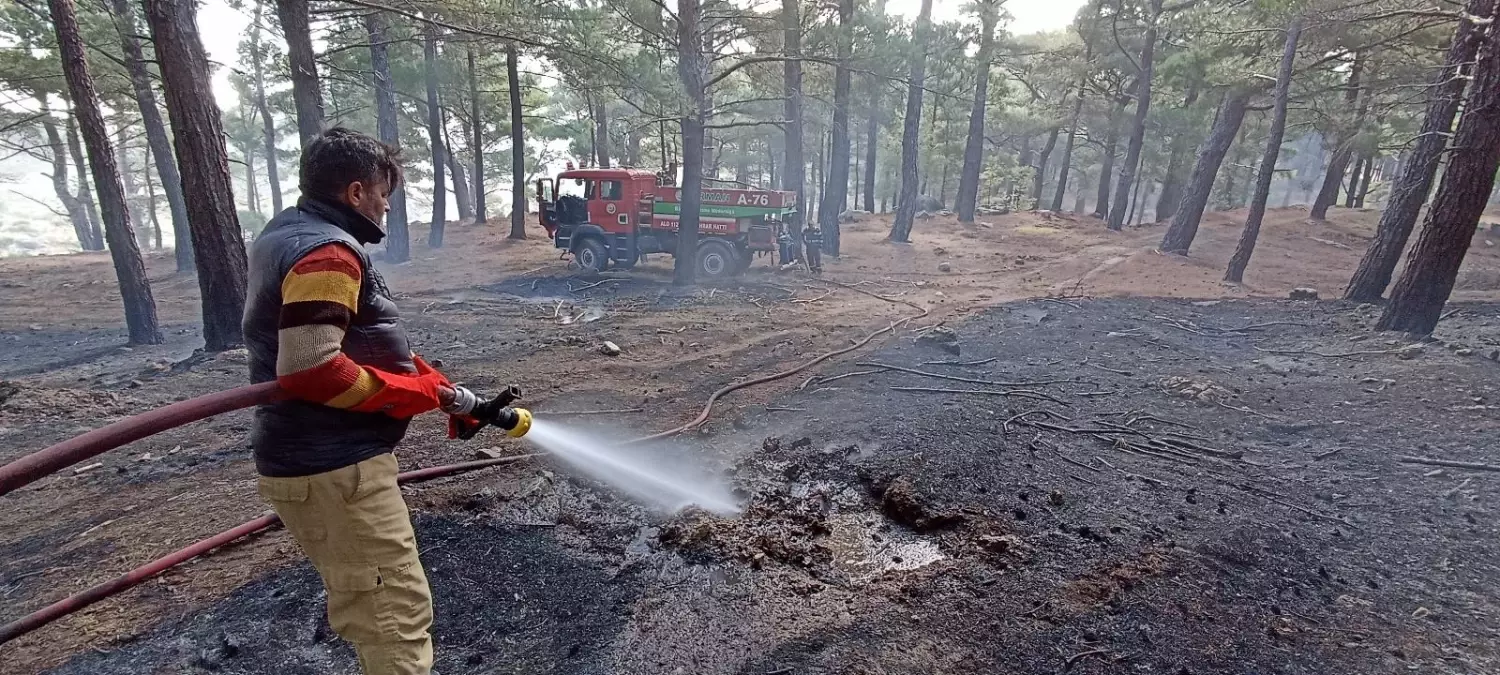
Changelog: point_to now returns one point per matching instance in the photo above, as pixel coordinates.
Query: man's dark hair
(341, 156)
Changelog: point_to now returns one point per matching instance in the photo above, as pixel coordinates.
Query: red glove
(406, 396)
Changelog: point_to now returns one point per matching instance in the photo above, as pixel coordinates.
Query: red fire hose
(37, 465)
(82, 599)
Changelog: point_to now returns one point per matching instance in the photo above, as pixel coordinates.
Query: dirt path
(499, 312)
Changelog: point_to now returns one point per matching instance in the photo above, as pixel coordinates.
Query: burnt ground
(1147, 485)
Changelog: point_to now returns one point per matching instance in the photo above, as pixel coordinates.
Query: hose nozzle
(515, 421)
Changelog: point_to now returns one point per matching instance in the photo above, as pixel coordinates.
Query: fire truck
(611, 217)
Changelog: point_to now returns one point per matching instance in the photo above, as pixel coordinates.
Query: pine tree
(198, 131)
(130, 270)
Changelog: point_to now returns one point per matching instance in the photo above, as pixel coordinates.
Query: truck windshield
(571, 187)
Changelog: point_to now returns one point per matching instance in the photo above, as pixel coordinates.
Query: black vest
(298, 438)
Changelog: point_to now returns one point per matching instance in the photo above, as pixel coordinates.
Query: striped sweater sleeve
(319, 297)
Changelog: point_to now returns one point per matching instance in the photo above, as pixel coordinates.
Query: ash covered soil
(1095, 486)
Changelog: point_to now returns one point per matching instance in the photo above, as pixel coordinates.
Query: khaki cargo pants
(354, 527)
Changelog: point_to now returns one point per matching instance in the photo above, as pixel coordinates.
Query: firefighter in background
(812, 239)
(784, 244)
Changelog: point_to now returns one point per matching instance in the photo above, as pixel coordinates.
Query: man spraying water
(320, 322)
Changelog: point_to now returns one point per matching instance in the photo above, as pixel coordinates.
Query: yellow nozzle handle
(523, 423)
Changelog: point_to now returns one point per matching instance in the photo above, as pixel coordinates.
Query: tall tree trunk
(835, 196)
(1410, 189)
(693, 71)
(59, 152)
(477, 145)
(1138, 128)
(435, 138)
(742, 163)
(1079, 195)
(818, 176)
(85, 192)
(794, 173)
(201, 155)
(1171, 182)
(397, 236)
(710, 154)
(122, 146)
(130, 270)
(968, 180)
(601, 132)
(1241, 258)
(1184, 227)
(268, 123)
(1364, 181)
(306, 93)
(518, 145)
(1333, 179)
(633, 146)
(252, 196)
(1067, 157)
(1107, 164)
(943, 186)
(151, 205)
(1227, 197)
(1351, 192)
(156, 130)
(1134, 217)
(1039, 181)
(872, 144)
(906, 201)
(460, 180)
(1432, 267)
(773, 178)
(593, 153)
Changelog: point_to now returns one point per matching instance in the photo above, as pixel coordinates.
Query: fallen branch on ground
(1452, 464)
(1337, 355)
(825, 380)
(961, 364)
(815, 299)
(584, 288)
(1019, 393)
(1258, 326)
(1127, 474)
(1068, 665)
(1074, 305)
(955, 378)
(1274, 498)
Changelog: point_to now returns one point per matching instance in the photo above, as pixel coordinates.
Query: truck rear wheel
(716, 260)
(591, 255)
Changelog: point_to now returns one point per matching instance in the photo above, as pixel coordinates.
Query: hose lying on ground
(42, 463)
(714, 397)
(134, 577)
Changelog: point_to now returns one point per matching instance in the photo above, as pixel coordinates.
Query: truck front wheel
(591, 255)
(716, 260)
